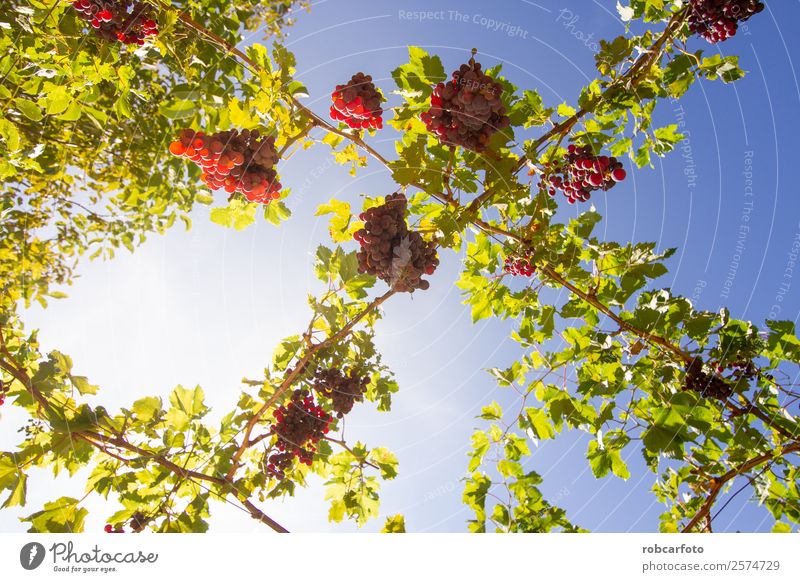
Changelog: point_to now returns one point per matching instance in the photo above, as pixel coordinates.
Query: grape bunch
(3, 391)
(344, 390)
(138, 521)
(718, 20)
(707, 385)
(392, 252)
(740, 368)
(299, 425)
(468, 109)
(519, 265)
(127, 21)
(238, 161)
(580, 173)
(358, 103)
(113, 529)
(745, 368)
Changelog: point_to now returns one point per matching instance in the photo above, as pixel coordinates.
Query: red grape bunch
(127, 21)
(745, 368)
(718, 20)
(580, 173)
(707, 385)
(358, 103)
(742, 368)
(392, 252)
(299, 425)
(344, 390)
(238, 161)
(519, 265)
(468, 109)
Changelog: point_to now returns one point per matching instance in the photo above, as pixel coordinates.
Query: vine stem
(592, 300)
(314, 117)
(718, 482)
(347, 448)
(751, 408)
(292, 376)
(630, 77)
(300, 135)
(187, 474)
(100, 441)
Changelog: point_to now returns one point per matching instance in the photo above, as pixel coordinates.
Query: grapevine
(621, 333)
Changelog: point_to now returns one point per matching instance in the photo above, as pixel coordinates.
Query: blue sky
(207, 306)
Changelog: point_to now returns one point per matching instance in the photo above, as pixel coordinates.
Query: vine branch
(717, 483)
(101, 442)
(247, 442)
